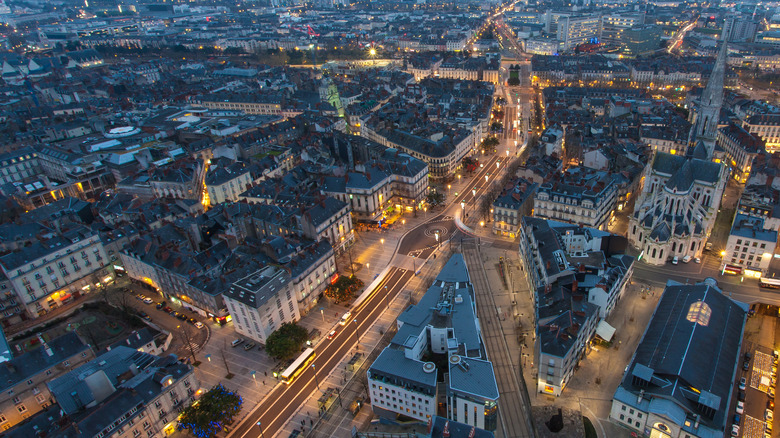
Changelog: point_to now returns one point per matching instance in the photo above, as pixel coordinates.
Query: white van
(345, 318)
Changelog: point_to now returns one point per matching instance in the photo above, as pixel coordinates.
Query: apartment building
(24, 391)
(226, 183)
(56, 269)
(123, 393)
(397, 181)
(741, 149)
(749, 247)
(511, 205)
(444, 323)
(18, 165)
(181, 179)
(577, 285)
(580, 195)
(329, 219)
(766, 126)
(672, 387)
(261, 302)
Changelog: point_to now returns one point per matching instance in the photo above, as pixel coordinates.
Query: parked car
(748, 356)
(236, 342)
(737, 419)
(743, 383)
(143, 315)
(199, 324)
(734, 430)
(686, 259)
(140, 297)
(675, 260)
(167, 309)
(249, 346)
(769, 415)
(740, 407)
(192, 320)
(696, 260)
(745, 365)
(741, 395)
(182, 316)
(148, 300)
(160, 306)
(770, 404)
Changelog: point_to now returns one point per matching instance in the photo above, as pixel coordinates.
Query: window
(699, 312)
(631, 411)
(622, 417)
(147, 425)
(22, 409)
(623, 408)
(29, 382)
(40, 399)
(17, 400)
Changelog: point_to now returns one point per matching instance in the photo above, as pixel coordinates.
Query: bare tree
(224, 360)
(185, 335)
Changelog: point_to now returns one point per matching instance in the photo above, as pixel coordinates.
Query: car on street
(771, 392)
(140, 297)
(144, 315)
(167, 309)
(182, 316)
(743, 383)
(741, 395)
(345, 318)
(737, 419)
(745, 365)
(148, 300)
(770, 404)
(332, 334)
(249, 346)
(696, 260)
(769, 415)
(199, 324)
(686, 259)
(160, 306)
(192, 320)
(740, 407)
(675, 260)
(236, 342)
(735, 430)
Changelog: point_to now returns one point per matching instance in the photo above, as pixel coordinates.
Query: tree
(513, 81)
(496, 126)
(435, 198)
(344, 288)
(208, 415)
(286, 341)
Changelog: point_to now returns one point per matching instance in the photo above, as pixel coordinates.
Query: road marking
(254, 413)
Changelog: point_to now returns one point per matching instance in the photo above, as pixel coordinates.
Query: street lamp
(260, 425)
(386, 293)
(486, 178)
(368, 265)
(315, 376)
(254, 377)
(357, 335)
(463, 207)
(437, 240)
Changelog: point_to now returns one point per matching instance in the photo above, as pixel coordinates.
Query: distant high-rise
(739, 29)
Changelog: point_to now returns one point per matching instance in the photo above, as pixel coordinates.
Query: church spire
(708, 110)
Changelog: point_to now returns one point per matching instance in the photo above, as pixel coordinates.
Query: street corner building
(682, 375)
(442, 330)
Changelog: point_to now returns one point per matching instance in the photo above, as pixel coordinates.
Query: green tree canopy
(344, 288)
(209, 414)
(286, 341)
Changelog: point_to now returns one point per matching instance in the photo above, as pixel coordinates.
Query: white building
(402, 386)
(225, 184)
(58, 268)
(261, 302)
(750, 247)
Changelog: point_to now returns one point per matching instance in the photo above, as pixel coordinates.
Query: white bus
(298, 366)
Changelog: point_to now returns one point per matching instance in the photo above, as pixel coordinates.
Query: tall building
(613, 26)
(576, 30)
(680, 381)
(739, 29)
(444, 324)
